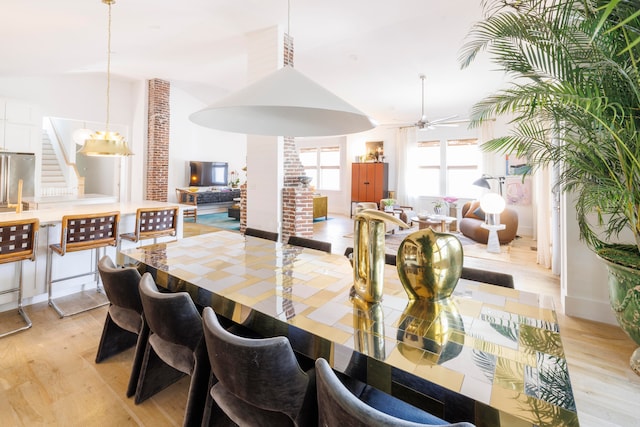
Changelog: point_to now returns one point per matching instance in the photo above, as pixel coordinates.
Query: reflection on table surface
(488, 355)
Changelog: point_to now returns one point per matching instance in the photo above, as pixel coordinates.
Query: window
(323, 165)
(450, 167)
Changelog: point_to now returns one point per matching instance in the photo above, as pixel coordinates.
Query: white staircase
(53, 181)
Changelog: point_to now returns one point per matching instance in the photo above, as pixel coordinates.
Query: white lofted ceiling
(369, 52)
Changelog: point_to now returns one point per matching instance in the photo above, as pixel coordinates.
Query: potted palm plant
(574, 101)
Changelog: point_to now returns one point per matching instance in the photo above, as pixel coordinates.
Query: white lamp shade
(285, 103)
(492, 203)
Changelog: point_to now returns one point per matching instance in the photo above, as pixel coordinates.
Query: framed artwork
(516, 165)
(517, 191)
(374, 151)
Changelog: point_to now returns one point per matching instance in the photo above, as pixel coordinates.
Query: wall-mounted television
(208, 174)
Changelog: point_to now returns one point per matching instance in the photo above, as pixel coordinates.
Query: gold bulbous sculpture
(368, 252)
(429, 264)
(430, 331)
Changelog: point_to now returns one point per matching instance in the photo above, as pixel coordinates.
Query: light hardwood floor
(48, 375)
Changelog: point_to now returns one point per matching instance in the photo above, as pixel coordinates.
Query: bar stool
(188, 198)
(79, 233)
(18, 243)
(152, 223)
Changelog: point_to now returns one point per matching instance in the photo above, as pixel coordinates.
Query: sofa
(473, 218)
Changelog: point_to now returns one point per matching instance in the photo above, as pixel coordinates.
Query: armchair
(473, 217)
(404, 212)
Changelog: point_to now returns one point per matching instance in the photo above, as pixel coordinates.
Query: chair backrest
(263, 372)
(388, 258)
(337, 406)
(88, 231)
(269, 235)
(188, 198)
(18, 240)
(120, 284)
(485, 276)
(172, 316)
(310, 243)
(156, 222)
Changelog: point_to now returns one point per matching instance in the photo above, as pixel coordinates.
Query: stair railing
(74, 182)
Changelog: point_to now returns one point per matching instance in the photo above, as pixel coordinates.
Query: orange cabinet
(369, 182)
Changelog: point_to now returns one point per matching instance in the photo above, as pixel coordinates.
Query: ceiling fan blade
(443, 119)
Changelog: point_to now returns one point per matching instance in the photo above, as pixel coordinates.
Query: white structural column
(493, 244)
(265, 154)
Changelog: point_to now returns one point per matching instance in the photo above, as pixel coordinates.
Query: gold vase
(429, 264)
(368, 252)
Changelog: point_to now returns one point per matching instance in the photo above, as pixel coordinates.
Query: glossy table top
(494, 352)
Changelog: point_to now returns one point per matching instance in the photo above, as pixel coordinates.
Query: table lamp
(492, 204)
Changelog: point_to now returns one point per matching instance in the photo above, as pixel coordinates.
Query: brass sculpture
(368, 326)
(429, 264)
(430, 332)
(368, 252)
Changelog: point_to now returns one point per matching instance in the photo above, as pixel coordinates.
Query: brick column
(158, 120)
(297, 201)
(243, 207)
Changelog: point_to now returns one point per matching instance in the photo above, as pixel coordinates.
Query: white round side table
(493, 244)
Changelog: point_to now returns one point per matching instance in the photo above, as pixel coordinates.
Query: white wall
(189, 141)
(83, 98)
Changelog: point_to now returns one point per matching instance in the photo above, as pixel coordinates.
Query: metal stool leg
(50, 282)
(21, 311)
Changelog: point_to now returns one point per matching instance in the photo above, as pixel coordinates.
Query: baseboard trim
(598, 311)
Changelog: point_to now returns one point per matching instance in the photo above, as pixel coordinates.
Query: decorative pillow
(474, 209)
(479, 213)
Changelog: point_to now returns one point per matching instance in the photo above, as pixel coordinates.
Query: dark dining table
(489, 355)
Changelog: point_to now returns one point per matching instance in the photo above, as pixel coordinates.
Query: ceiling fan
(423, 123)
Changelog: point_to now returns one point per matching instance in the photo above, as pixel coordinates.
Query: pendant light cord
(108, 66)
(422, 78)
(289, 18)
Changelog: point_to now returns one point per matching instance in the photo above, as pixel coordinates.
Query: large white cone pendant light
(285, 103)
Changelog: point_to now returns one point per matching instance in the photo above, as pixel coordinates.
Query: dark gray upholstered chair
(259, 380)
(269, 235)
(338, 406)
(310, 243)
(175, 347)
(123, 326)
(486, 276)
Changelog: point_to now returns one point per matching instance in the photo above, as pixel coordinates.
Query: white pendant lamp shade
(285, 103)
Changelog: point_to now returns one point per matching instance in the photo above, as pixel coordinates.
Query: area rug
(219, 220)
